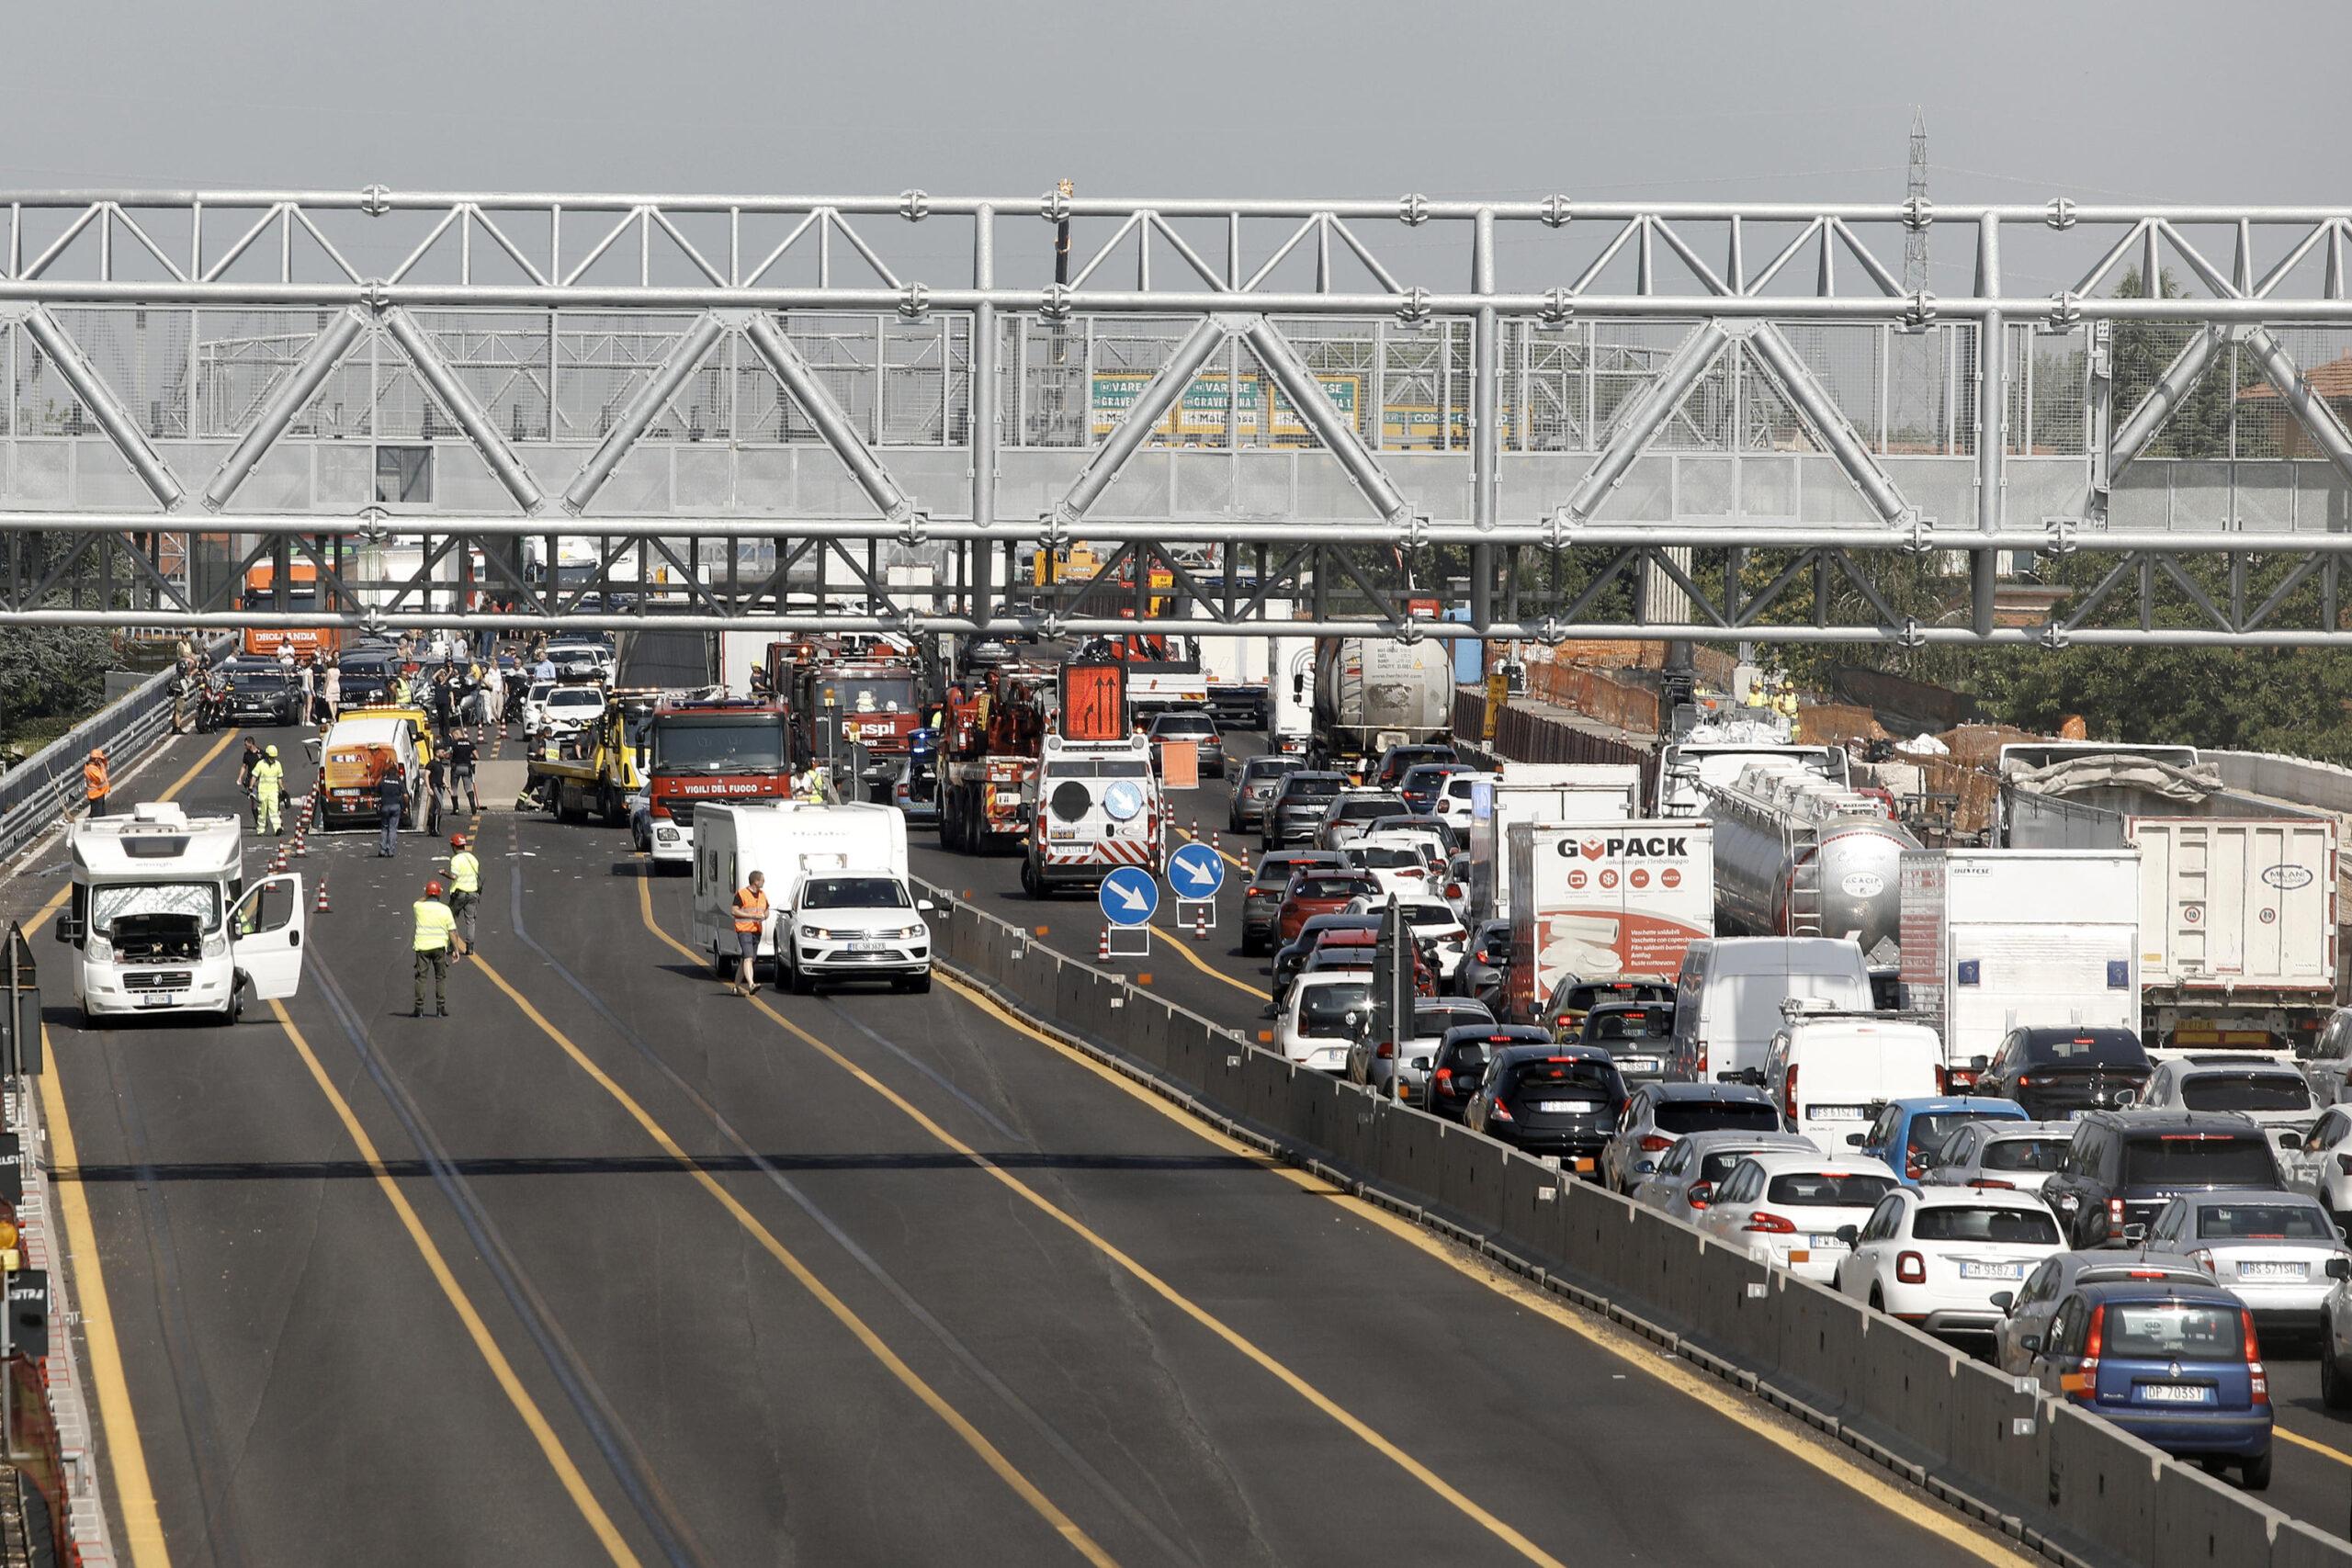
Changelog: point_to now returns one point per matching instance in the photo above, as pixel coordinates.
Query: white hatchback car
(2273, 1094)
(1321, 1017)
(1787, 1209)
(1435, 926)
(1455, 800)
(1936, 1255)
(2323, 1167)
(1401, 867)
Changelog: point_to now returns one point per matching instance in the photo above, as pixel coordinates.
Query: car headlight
(98, 947)
(217, 946)
(819, 932)
(906, 931)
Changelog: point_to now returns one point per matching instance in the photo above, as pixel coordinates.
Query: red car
(1314, 893)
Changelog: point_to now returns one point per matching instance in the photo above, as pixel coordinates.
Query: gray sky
(2154, 99)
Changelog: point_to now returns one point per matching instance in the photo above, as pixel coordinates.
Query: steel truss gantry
(1580, 417)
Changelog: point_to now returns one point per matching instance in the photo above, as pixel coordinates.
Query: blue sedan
(1907, 1130)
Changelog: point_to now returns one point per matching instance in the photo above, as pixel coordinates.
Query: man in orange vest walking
(751, 920)
(94, 783)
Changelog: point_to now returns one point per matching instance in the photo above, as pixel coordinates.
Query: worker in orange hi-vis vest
(95, 782)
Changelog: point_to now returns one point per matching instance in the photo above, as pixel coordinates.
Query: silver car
(1998, 1155)
(1254, 791)
(1375, 1062)
(1192, 725)
(1686, 1173)
(2272, 1250)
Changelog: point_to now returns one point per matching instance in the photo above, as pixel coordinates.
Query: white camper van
(836, 883)
(162, 921)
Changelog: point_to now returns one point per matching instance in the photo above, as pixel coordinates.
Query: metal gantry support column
(1772, 346)
(112, 417)
(1159, 394)
(1632, 431)
(833, 426)
(1316, 409)
(983, 402)
(695, 342)
(1486, 424)
(293, 394)
(465, 408)
(1992, 425)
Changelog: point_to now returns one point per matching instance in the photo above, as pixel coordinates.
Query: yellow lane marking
(1346, 1419)
(973, 1438)
(1830, 1463)
(520, 1397)
(1176, 941)
(2338, 1455)
(134, 1491)
(142, 1527)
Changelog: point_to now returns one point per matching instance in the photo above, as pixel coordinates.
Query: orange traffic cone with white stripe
(321, 908)
(1103, 947)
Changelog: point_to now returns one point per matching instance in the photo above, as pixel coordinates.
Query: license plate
(1838, 1113)
(1827, 1244)
(1567, 1106)
(2273, 1270)
(867, 947)
(1992, 1271)
(2173, 1392)
(2076, 1115)
(160, 999)
(1637, 1064)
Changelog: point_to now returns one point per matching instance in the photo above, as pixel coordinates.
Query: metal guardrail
(41, 790)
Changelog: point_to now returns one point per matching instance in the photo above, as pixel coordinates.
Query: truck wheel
(1029, 881)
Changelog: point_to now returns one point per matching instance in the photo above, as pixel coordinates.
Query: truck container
(1714, 755)
(1538, 793)
(1996, 940)
(2236, 893)
(1375, 692)
(786, 841)
(1597, 900)
(1238, 671)
(1797, 854)
(1290, 696)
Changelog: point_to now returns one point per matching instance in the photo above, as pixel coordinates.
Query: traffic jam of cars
(2130, 1217)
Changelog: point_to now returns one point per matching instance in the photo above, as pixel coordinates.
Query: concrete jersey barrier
(2047, 1475)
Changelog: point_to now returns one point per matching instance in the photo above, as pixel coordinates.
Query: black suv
(1299, 807)
(2124, 1165)
(2056, 1072)
(1460, 1064)
(260, 692)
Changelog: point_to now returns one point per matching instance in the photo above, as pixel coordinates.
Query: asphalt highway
(614, 1266)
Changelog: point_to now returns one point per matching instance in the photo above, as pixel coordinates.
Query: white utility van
(1728, 993)
(792, 841)
(162, 921)
(1831, 1072)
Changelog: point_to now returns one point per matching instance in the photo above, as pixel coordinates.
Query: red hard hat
(457, 840)
(433, 890)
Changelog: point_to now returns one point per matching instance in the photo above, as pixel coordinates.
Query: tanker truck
(1375, 692)
(1797, 855)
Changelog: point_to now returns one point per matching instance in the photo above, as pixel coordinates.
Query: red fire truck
(700, 748)
(992, 757)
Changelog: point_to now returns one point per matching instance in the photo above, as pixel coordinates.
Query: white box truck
(1600, 899)
(1996, 940)
(836, 884)
(1537, 793)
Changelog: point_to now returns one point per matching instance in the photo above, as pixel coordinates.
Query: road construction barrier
(2031, 1466)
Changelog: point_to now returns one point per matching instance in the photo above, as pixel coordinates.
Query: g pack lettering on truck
(1661, 846)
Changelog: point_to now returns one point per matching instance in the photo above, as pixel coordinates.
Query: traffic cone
(322, 907)
(301, 836)
(1200, 925)
(278, 862)
(1103, 947)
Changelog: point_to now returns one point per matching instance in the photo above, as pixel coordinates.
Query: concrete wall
(2034, 1467)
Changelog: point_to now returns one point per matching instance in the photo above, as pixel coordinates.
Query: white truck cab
(836, 884)
(162, 921)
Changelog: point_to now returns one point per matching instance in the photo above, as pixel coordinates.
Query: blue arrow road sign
(1195, 871)
(1129, 896)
